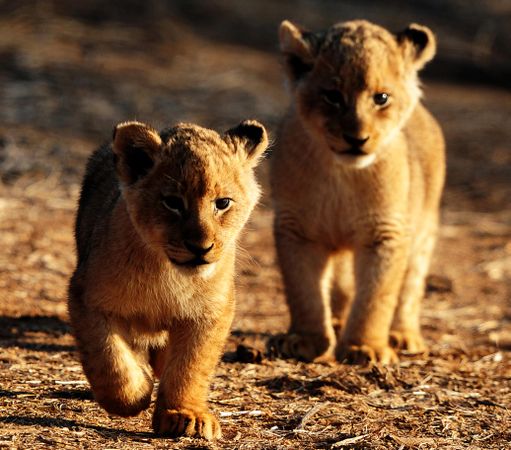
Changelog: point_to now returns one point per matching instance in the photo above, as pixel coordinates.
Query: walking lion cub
(356, 178)
(153, 292)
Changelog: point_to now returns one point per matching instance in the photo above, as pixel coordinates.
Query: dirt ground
(68, 74)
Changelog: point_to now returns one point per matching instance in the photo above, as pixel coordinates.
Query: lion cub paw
(304, 347)
(365, 354)
(409, 341)
(185, 422)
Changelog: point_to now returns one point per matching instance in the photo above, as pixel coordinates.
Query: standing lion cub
(153, 291)
(356, 179)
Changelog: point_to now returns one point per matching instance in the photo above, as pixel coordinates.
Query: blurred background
(75, 69)
(71, 70)
(78, 68)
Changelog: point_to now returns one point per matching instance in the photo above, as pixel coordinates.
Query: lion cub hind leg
(157, 357)
(342, 290)
(306, 274)
(181, 407)
(119, 377)
(405, 333)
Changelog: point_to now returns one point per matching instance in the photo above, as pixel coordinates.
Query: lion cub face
(189, 191)
(355, 85)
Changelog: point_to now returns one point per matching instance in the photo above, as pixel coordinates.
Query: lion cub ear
(299, 48)
(135, 146)
(249, 140)
(418, 44)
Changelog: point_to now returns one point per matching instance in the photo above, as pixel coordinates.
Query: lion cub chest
(338, 205)
(155, 294)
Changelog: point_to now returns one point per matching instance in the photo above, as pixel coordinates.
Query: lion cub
(356, 179)
(156, 231)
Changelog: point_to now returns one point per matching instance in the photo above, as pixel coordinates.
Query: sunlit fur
(355, 223)
(139, 303)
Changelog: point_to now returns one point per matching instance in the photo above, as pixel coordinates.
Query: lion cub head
(355, 84)
(188, 190)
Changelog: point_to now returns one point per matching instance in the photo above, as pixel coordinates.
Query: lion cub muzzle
(199, 252)
(356, 143)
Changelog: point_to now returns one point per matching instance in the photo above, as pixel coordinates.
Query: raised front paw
(366, 354)
(409, 341)
(305, 347)
(185, 422)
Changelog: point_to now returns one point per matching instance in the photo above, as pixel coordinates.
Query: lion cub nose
(198, 250)
(354, 141)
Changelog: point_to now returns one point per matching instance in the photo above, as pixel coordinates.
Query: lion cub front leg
(193, 352)
(342, 289)
(120, 376)
(379, 268)
(306, 274)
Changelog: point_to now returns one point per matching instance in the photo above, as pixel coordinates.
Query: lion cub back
(100, 189)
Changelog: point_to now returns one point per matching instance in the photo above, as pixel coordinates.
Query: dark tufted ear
(249, 139)
(135, 146)
(299, 48)
(418, 43)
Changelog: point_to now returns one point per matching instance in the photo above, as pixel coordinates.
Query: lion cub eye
(174, 203)
(381, 98)
(333, 98)
(222, 203)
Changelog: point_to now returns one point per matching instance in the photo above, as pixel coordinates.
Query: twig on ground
(254, 412)
(349, 441)
(309, 414)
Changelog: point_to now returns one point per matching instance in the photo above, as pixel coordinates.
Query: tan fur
(356, 187)
(154, 284)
